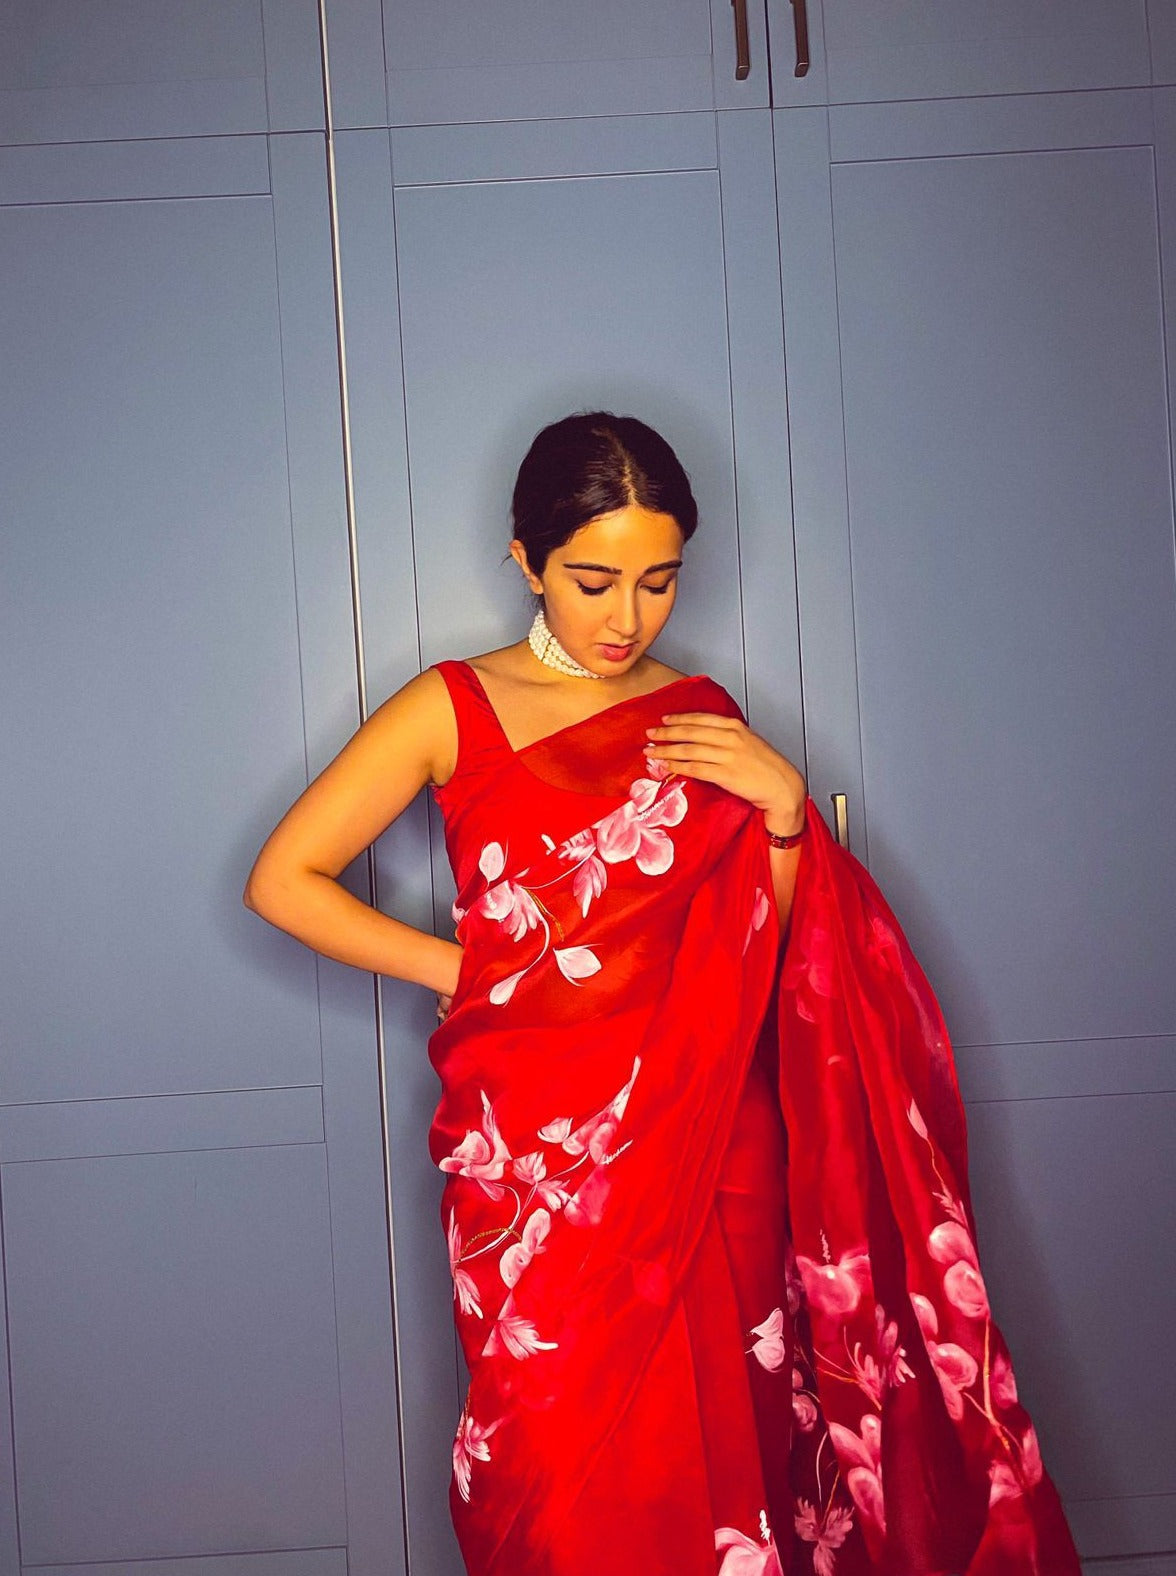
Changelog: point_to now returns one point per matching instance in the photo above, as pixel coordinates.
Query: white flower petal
(577, 963)
(492, 861)
(505, 989)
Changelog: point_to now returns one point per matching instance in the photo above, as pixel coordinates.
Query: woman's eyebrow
(604, 569)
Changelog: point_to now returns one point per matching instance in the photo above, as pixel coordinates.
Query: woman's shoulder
(707, 694)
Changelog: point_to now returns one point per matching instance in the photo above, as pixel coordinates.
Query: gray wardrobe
(269, 356)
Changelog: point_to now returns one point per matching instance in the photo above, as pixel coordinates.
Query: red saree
(713, 1255)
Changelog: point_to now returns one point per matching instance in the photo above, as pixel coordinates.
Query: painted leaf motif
(515, 1335)
(589, 882)
(470, 1446)
(516, 1258)
(501, 993)
(769, 1351)
(828, 1535)
(577, 963)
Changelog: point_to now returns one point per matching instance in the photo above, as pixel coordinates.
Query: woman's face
(610, 588)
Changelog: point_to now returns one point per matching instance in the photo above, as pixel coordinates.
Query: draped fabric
(714, 1261)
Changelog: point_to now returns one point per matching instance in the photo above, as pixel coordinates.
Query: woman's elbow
(262, 891)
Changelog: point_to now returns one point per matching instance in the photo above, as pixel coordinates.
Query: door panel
(1073, 1199)
(996, 511)
(645, 279)
(178, 658)
(105, 69)
(457, 61)
(869, 50)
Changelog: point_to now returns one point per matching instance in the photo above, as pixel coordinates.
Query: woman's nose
(623, 620)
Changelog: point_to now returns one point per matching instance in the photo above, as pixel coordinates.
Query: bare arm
(407, 742)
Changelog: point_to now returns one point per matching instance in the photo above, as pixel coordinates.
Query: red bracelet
(778, 841)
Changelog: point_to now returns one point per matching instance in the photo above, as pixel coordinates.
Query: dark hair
(591, 464)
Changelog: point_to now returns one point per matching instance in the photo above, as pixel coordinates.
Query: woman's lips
(617, 653)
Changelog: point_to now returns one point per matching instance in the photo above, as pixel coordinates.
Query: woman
(714, 1265)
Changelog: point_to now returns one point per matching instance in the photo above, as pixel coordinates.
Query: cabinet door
(463, 61)
(981, 465)
(866, 50)
(196, 1305)
(545, 268)
(95, 70)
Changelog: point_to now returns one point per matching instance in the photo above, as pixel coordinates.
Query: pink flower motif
(1007, 1481)
(595, 1135)
(586, 1205)
(964, 1288)
(513, 907)
(759, 915)
(743, 1556)
(951, 1244)
(810, 975)
(828, 1535)
(864, 1477)
(492, 861)
(915, 1118)
(516, 1336)
(769, 1350)
(794, 1286)
(955, 1368)
(634, 830)
(951, 1241)
(1004, 1383)
(482, 1156)
(470, 1446)
(1031, 1465)
(556, 1131)
(891, 1356)
(804, 1408)
(515, 1259)
(531, 1171)
(835, 1289)
(464, 1287)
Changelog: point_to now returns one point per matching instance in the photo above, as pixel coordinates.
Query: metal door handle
(800, 27)
(840, 818)
(742, 46)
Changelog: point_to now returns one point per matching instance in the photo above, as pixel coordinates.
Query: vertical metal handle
(742, 45)
(800, 28)
(840, 818)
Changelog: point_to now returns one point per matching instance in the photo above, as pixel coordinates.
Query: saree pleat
(713, 1254)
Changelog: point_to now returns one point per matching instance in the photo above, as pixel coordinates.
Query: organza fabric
(714, 1262)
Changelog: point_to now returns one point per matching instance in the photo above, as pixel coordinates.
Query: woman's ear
(519, 553)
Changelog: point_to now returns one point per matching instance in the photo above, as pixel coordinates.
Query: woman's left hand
(724, 751)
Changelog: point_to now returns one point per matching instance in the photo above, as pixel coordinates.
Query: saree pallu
(713, 1254)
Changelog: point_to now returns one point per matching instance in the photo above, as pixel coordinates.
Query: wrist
(785, 820)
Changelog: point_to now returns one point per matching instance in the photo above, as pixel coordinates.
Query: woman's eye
(591, 590)
(660, 590)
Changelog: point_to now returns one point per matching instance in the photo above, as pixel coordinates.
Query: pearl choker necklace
(552, 655)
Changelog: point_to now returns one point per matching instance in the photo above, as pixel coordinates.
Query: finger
(692, 733)
(689, 750)
(713, 717)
